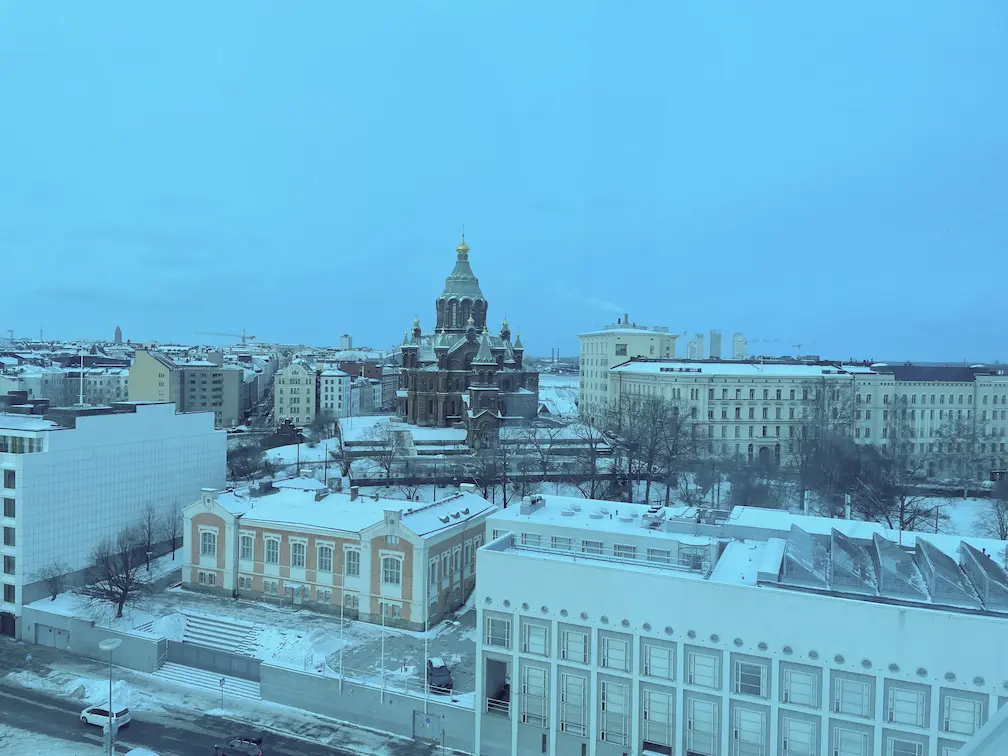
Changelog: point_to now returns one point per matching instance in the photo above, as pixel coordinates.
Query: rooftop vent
(568, 513)
(626, 518)
(531, 504)
(595, 515)
(575, 507)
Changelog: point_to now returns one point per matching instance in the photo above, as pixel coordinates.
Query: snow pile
(25, 743)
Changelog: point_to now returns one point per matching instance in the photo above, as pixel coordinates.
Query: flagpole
(341, 623)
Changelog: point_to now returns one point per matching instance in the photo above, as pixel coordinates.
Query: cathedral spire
(484, 356)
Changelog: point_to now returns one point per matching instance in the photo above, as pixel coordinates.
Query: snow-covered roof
(740, 369)
(300, 483)
(11, 421)
(292, 508)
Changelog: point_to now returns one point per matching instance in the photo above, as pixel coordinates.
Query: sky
(831, 174)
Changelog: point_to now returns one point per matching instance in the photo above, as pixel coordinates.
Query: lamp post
(110, 645)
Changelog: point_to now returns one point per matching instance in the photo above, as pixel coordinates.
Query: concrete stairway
(190, 677)
(221, 634)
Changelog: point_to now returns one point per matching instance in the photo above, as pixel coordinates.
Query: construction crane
(245, 338)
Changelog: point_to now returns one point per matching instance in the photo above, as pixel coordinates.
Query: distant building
(614, 345)
(365, 396)
(715, 345)
(38, 383)
(296, 394)
(738, 346)
(102, 385)
(334, 392)
(403, 563)
(193, 385)
(696, 347)
(74, 477)
(346, 341)
(359, 369)
(118, 335)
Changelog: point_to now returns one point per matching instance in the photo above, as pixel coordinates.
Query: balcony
(498, 706)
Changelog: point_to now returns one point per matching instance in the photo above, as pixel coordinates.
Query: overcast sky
(834, 174)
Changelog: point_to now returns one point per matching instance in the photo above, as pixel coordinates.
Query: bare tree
(339, 453)
(674, 448)
(587, 471)
(541, 442)
(115, 566)
(323, 426)
(149, 529)
(248, 461)
(627, 424)
(385, 447)
(171, 528)
(993, 520)
(54, 576)
(481, 466)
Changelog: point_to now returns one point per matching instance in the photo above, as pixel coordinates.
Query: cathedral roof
(484, 356)
(462, 283)
(517, 342)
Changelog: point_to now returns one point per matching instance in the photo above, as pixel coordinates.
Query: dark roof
(925, 373)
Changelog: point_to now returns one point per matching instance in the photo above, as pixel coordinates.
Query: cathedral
(460, 376)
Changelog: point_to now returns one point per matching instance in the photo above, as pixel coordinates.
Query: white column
(479, 703)
(553, 723)
(516, 679)
(679, 709)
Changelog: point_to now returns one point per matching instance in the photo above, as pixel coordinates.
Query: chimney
(354, 491)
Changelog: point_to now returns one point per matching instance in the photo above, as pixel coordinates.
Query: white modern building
(738, 346)
(614, 345)
(72, 479)
(608, 629)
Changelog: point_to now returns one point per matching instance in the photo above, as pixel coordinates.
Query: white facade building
(756, 410)
(607, 629)
(334, 392)
(38, 382)
(614, 345)
(66, 489)
(738, 346)
(295, 396)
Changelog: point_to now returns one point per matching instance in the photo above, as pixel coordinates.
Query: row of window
(687, 556)
(799, 685)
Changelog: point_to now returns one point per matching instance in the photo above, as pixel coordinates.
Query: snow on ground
(88, 691)
(24, 743)
(162, 567)
(300, 639)
(288, 455)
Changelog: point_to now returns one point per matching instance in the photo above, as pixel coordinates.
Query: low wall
(398, 713)
(139, 649)
(214, 660)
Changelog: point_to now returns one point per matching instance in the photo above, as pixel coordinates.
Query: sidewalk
(69, 677)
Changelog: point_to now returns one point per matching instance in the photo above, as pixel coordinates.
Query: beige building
(194, 385)
(297, 543)
(296, 394)
(614, 345)
(757, 410)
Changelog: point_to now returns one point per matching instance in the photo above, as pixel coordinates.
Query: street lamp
(110, 645)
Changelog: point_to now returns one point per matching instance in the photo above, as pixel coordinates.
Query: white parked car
(99, 716)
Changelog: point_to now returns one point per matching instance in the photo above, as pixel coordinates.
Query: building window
(574, 646)
(208, 543)
(613, 706)
(591, 547)
(9, 479)
(573, 705)
(906, 706)
(562, 543)
(246, 547)
(272, 555)
(531, 539)
(661, 556)
(8, 565)
(533, 701)
(207, 578)
(325, 558)
(702, 723)
(849, 742)
(351, 601)
(8, 507)
(391, 570)
(391, 540)
(8, 537)
(621, 350)
(658, 661)
(615, 654)
(535, 639)
(498, 632)
(8, 593)
(323, 595)
(244, 583)
(901, 747)
(657, 711)
(851, 697)
(751, 679)
(749, 732)
(800, 688)
(798, 737)
(961, 715)
(352, 568)
(297, 554)
(702, 670)
(622, 551)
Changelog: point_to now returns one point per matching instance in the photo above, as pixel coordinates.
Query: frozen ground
(298, 639)
(559, 393)
(23, 743)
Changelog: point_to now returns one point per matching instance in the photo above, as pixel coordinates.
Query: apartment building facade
(334, 392)
(636, 634)
(71, 480)
(387, 561)
(38, 383)
(296, 391)
(614, 345)
(954, 419)
(193, 385)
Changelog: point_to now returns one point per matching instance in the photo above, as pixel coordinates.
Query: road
(177, 732)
